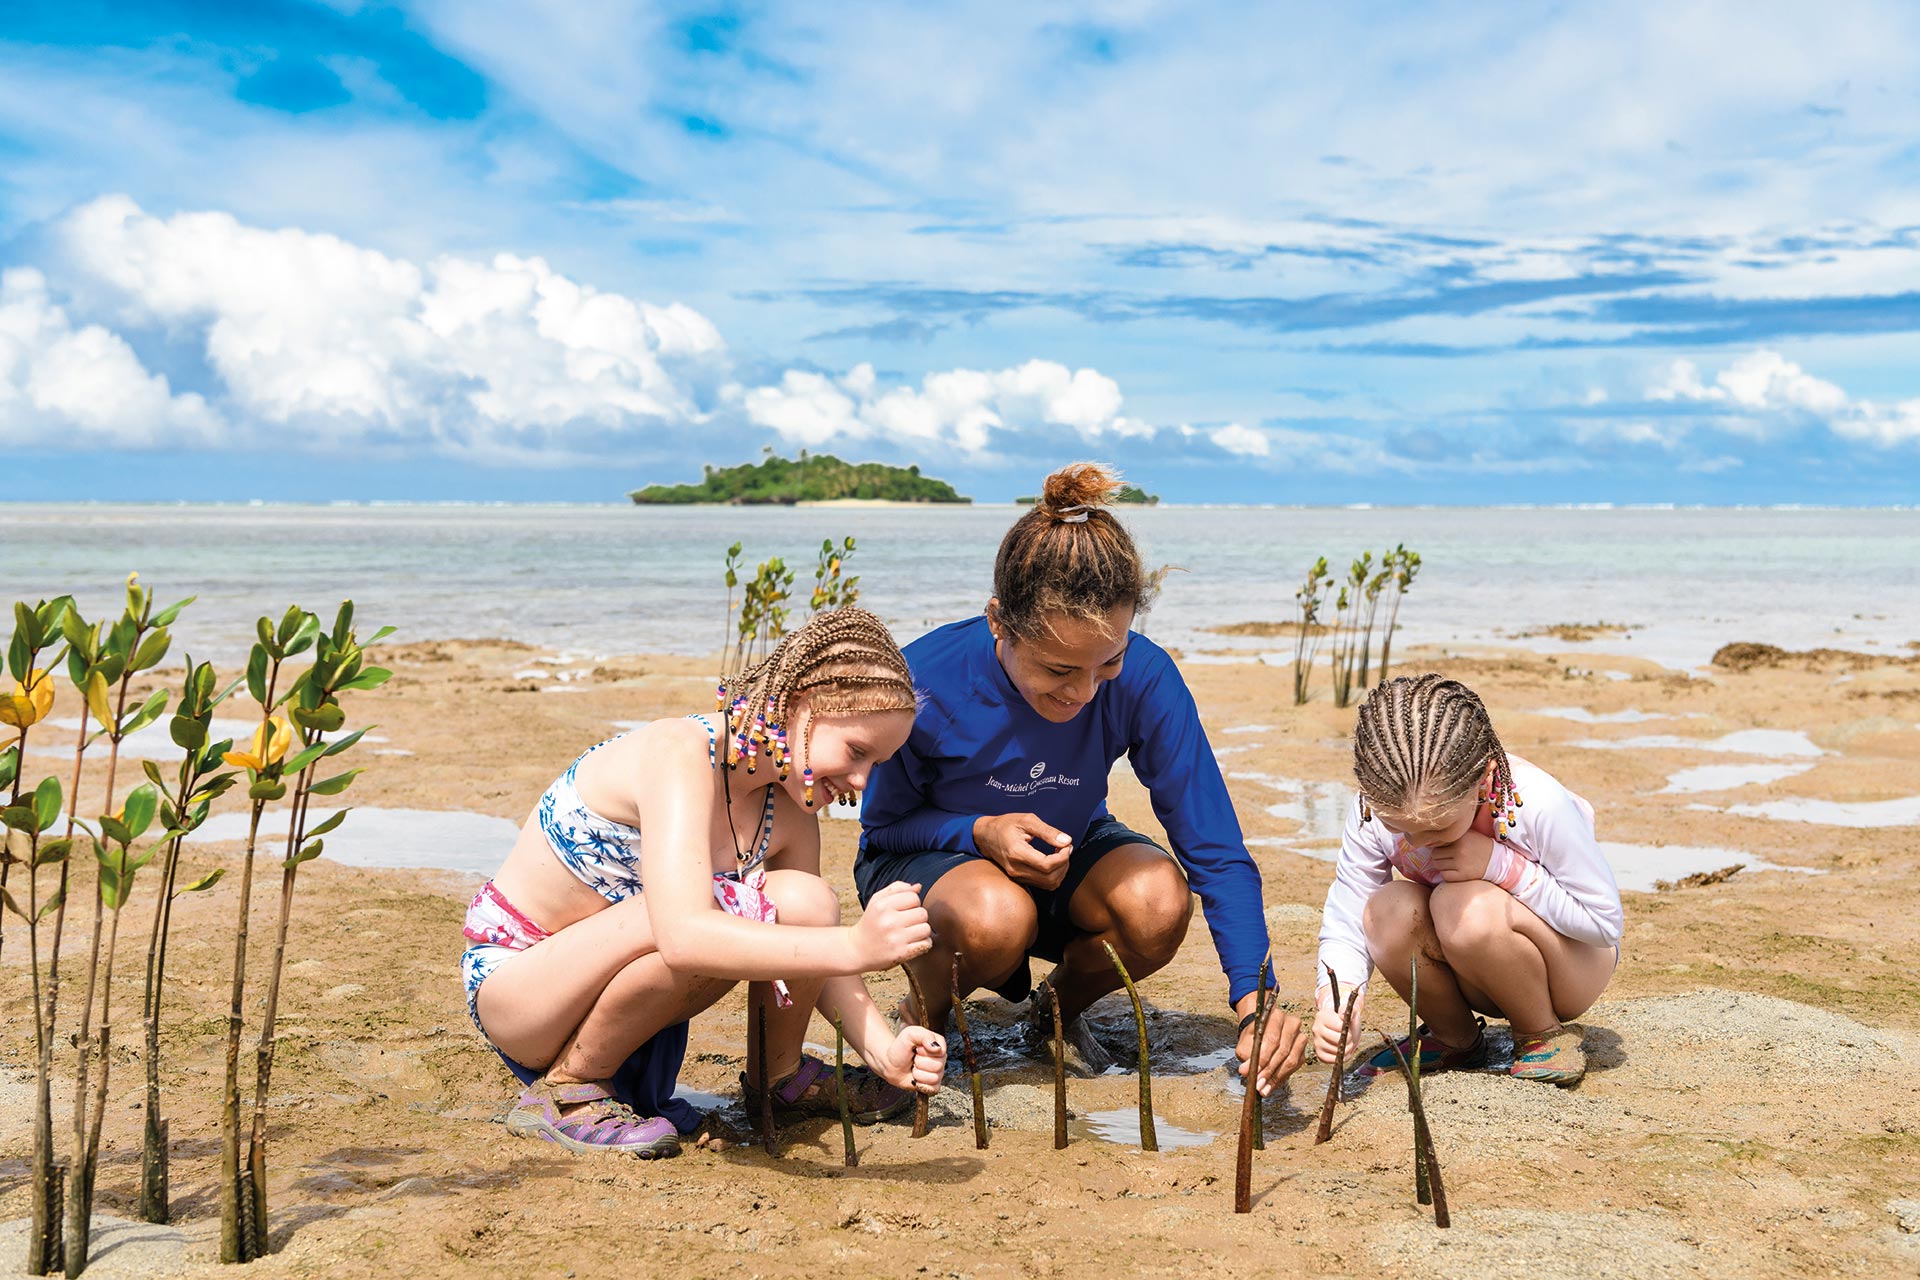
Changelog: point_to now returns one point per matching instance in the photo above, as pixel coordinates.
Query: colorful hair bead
(807, 777)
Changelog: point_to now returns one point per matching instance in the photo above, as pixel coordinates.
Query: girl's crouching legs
(801, 899)
(1399, 920)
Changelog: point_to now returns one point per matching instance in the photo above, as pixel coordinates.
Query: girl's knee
(802, 898)
(1470, 913)
(1393, 912)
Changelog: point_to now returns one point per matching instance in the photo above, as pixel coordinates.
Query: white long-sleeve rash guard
(1550, 861)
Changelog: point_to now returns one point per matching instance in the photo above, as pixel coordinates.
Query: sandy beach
(1753, 1109)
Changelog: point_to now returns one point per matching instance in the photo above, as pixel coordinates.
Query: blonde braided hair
(1422, 743)
(845, 661)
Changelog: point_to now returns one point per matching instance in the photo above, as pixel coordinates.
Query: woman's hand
(893, 929)
(1464, 859)
(1007, 841)
(916, 1060)
(1326, 1023)
(1282, 1052)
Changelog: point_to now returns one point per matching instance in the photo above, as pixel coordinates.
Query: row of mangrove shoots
(1355, 608)
(296, 714)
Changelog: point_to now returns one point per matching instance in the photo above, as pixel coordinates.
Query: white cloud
(502, 358)
(962, 408)
(67, 385)
(1764, 386)
(1235, 438)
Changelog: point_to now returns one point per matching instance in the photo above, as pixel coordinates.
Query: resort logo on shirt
(1036, 781)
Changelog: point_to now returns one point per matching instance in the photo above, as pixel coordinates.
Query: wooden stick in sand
(767, 1138)
(1339, 1060)
(840, 1087)
(1059, 1071)
(1149, 1141)
(1423, 1151)
(1421, 1190)
(973, 1068)
(920, 1121)
(1250, 1118)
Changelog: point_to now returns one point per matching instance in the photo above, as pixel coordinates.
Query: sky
(1451, 253)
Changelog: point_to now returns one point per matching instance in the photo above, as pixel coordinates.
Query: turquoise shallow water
(619, 579)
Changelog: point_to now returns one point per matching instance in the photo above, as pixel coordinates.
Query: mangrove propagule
(920, 1100)
(1149, 1141)
(973, 1067)
(1250, 1118)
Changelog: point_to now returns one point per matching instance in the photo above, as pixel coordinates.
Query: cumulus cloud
(66, 384)
(500, 359)
(962, 408)
(1235, 438)
(1764, 387)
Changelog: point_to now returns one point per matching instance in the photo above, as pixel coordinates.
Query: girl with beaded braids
(998, 802)
(593, 945)
(1505, 896)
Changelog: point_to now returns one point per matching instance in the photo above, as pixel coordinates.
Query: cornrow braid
(1422, 743)
(845, 661)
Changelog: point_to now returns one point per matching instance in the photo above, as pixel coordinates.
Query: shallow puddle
(1836, 813)
(1251, 728)
(1319, 807)
(152, 743)
(1122, 1128)
(449, 840)
(1726, 777)
(1581, 715)
(1747, 742)
(1637, 866)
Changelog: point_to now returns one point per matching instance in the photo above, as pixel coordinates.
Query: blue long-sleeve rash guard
(978, 748)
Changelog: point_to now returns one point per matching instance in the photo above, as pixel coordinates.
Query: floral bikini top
(605, 855)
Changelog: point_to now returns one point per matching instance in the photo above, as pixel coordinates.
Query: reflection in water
(449, 840)
(1903, 812)
(1725, 777)
(1122, 1127)
(1637, 866)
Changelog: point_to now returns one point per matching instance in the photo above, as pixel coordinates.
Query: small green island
(809, 478)
(1129, 494)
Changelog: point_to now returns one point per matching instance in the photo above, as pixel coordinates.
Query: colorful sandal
(594, 1121)
(1434, 1055)
(810, 1091)
(1555, 1059)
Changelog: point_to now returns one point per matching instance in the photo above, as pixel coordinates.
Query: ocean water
(622, 579)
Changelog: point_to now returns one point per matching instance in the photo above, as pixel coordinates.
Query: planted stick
(1148, 1140)
(920, 1100)
(1059, 1072)
(973, 1068)
(1339, 1066)
(1421, 1190)
(1250, 1118)
(1424, 1154)
(767, 1139)
(840, 1087)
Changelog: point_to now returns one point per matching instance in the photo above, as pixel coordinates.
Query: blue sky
(1443, 253)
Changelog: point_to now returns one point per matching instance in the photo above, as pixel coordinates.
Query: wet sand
(1751, 1110)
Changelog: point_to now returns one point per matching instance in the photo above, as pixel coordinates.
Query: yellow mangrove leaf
(269, 746)
(29, 702)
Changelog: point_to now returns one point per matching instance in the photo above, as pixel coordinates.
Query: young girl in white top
(1506, 897)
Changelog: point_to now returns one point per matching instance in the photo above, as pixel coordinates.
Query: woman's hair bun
(1079, 484)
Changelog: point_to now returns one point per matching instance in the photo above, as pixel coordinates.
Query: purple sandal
(810, 1091)
(599, 1121)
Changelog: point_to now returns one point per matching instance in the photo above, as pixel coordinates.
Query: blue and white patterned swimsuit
(605, 856)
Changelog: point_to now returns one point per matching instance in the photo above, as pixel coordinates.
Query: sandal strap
(805, 1076)
(575, 1093)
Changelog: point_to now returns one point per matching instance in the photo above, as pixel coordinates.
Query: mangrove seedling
(184, 810)
(840, 1088)
(830, 590)
(1306, 641)
(264, 764)
(35, 630)
(1149, 1141)
(1420, 1188)
(973, 1067)
(769, 1141)
(313, 705)
(1371, 593)
(1059, 1070)
(1250, 1119)
(1423, 1153)
(1406, 565)
(726, 629)
(1325, 1132)
(920, 1100)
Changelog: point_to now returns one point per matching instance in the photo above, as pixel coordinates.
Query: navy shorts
(875, 871)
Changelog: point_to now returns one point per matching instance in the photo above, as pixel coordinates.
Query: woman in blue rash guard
(997, 804)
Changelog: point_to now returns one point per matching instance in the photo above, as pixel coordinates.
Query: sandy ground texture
(1753, 1108)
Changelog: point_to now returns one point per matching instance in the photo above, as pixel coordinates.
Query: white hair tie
(1072, 515)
